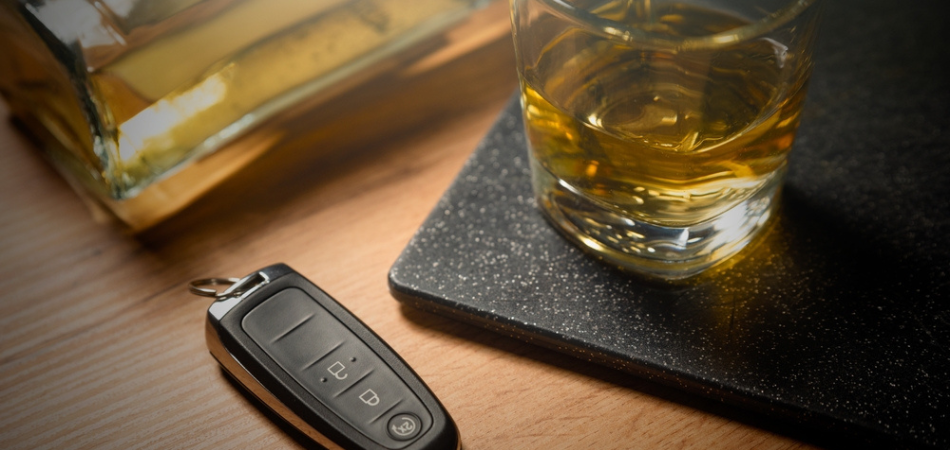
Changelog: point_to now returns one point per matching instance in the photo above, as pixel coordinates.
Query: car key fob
(317, 366)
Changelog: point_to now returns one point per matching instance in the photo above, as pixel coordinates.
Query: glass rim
(613, 29)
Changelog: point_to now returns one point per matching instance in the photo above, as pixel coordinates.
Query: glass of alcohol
(659, 129)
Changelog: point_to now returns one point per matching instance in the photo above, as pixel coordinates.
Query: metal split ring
(196, 286)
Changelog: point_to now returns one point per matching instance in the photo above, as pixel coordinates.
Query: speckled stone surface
(839, 318)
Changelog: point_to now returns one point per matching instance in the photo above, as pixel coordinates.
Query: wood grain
(102, 346)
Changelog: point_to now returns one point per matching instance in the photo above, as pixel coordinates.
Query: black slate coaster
(838, 319)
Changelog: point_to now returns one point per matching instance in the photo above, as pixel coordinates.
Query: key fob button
(329, 375)
(404, 426)
(371, 402)
(323, 356)
(293, 330)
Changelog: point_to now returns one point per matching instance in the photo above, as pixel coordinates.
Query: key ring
(195, 287)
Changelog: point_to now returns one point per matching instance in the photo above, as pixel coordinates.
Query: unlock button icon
(337, 370)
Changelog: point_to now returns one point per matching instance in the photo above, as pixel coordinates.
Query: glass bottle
(140, 102)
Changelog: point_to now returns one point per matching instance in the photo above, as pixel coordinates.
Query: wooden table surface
(101, 345)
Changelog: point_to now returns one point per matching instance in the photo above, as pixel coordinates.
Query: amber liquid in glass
(670, 137)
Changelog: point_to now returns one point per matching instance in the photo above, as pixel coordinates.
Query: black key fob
(321, 369)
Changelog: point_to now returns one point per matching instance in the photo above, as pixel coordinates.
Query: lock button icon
(369, 397)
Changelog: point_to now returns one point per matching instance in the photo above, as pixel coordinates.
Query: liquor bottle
(143, 104)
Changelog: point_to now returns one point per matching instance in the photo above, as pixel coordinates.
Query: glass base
(667, 252)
